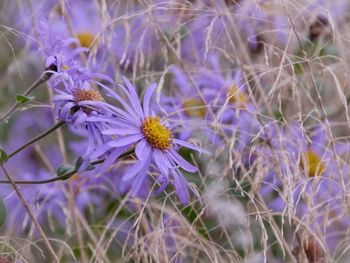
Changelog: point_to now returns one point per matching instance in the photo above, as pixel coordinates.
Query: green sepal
(64, 169)
(79, 162)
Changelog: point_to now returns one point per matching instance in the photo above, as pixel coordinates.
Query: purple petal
(64, 112)
(121, 131)
(103, 119)
(164, 180)
(79, 117)
(110, 108)
(118, 98)
(49, 61)
(76, 52)
(191, 146)
(133, 98)
(147, 98)
(181, 188)
(133, 170)
(181, 80)
(100, 151)
(126, 140)
(112, 158)
(182, 162)
(63, 97)
(319, 139)
(140, 178)
(90, 147)
(143, 149)
(95, 133)
(160, 162)
(100, 76)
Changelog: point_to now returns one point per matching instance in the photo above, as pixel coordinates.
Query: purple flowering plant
(174, 131)
(152, 138)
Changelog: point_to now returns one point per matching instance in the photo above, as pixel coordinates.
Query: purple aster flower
(39, 162)
(75, 101)
(88, 27)
(154, 142)
(227, 95)
(70, 20)
(187, 96)
(59, 52)
(224, 94)
(74, 96)
(306, 184)
(215, 103)
(187, 106)
(227, 88)
(70, 101)
(65, 30)
(26, 17)
(302, 159)
(137, 37)
(86, 22)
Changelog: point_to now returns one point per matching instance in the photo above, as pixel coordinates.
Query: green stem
(65, 176)
(39, 137)
(43, 78)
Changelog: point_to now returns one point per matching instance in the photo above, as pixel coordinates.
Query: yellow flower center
(85, 39)
(194, 108)
(87, 94)
(236, 96)
(157, 134)
(312, 164)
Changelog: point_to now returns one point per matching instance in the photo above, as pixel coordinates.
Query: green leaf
(3, 213)
(278, 115)
(20, 99)
(64, 169)
(3, 156)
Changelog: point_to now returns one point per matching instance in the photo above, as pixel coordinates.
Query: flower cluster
(110, 129)
(234, 104)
